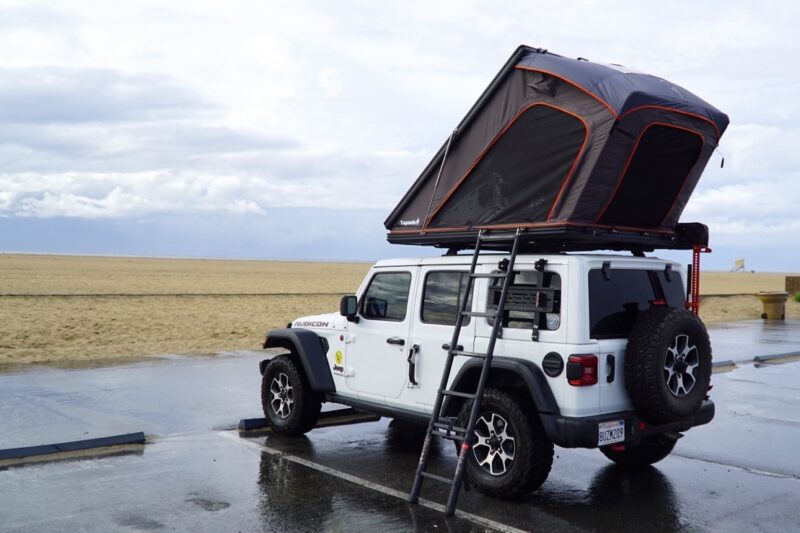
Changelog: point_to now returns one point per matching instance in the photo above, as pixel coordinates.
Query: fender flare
(307, 347)
(527, 371)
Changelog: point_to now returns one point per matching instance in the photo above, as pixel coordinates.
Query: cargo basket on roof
(579, 155)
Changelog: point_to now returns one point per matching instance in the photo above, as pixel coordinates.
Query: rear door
(615, 301)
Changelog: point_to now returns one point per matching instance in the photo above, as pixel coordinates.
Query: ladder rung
(469, 354)
(451, 436)
(498, 237)
(456, 393)
(437, 478)
(490, 314)
(449, 428)
(498, 275)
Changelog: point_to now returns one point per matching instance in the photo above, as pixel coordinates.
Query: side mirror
(348, 307)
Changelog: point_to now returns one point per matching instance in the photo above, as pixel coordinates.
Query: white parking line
(486, 522)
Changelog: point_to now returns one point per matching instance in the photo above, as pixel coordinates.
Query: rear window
(615, 303)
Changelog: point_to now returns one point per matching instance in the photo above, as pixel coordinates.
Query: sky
(289, 130)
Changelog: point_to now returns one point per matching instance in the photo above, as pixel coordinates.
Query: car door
(441, 289)
(378, 342)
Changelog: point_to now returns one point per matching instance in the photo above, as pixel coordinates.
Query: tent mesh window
(519, 177)
(662, 159)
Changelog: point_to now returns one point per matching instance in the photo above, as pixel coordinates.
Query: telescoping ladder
(443, 426)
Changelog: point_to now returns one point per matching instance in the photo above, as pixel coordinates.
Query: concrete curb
(773, 358)
(73, 446)
(336, 417)
(721, 367)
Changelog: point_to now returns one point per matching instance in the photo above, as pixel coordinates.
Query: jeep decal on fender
(338, 360)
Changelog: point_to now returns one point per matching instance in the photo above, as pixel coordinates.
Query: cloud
(303, 180)
(112, 111)
(757, 207)
(757, 152)
(54, 95)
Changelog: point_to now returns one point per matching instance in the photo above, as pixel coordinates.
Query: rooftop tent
(577, 154)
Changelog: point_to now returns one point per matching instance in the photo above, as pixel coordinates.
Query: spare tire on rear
(667, 364)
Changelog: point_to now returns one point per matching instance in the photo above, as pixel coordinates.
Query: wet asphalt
(744, 340)
(740, 473)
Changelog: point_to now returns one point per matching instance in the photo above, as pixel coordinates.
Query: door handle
(395, 340)
(446, 346)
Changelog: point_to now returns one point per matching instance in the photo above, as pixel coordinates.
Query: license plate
(610, 432)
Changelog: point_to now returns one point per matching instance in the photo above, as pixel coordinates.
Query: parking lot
(197, 472)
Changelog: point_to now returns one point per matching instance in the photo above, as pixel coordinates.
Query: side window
(527, 302)
(614, 304)
(442, 297)
(387, 296)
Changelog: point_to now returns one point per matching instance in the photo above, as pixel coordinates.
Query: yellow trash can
(774, 304)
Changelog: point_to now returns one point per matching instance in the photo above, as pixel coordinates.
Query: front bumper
(570, 432)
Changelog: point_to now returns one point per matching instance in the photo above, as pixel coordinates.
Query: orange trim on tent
(662, 108)
(494, 141)
(576, 225)
(571, 170)
(424, 231)
(567, 80)
(621, 178)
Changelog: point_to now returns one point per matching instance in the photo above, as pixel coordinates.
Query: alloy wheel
(495, 445)
(680, 365)
(282, 400)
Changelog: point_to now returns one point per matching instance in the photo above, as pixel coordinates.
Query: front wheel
(512, 455)
(287, 399)
(651, 450)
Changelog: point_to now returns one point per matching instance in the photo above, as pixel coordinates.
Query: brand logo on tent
(414, 222)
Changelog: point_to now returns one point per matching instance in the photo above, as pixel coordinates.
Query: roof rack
(565, 239)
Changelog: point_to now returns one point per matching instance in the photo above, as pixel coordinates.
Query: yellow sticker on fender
(339, 357)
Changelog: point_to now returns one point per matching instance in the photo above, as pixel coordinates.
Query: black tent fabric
(561, 147)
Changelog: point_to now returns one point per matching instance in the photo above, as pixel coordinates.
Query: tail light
(582, 370)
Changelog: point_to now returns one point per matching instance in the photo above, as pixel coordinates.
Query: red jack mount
(694, 278)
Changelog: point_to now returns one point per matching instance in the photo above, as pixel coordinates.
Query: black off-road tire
(533, 451)
(653, 336)
(303, 413)
(651, 450)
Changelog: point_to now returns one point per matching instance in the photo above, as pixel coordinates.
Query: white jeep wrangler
(617, 362)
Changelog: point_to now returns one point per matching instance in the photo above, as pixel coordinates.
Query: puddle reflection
(629, 499)
(293, 497)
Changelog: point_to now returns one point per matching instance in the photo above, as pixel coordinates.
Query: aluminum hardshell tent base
(566, 239)
(579, 155)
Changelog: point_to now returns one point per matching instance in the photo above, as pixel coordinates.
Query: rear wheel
(511, 456)
(287, 399)
(651, 450)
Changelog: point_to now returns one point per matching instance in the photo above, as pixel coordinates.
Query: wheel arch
(305, 347)
(506, 374)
